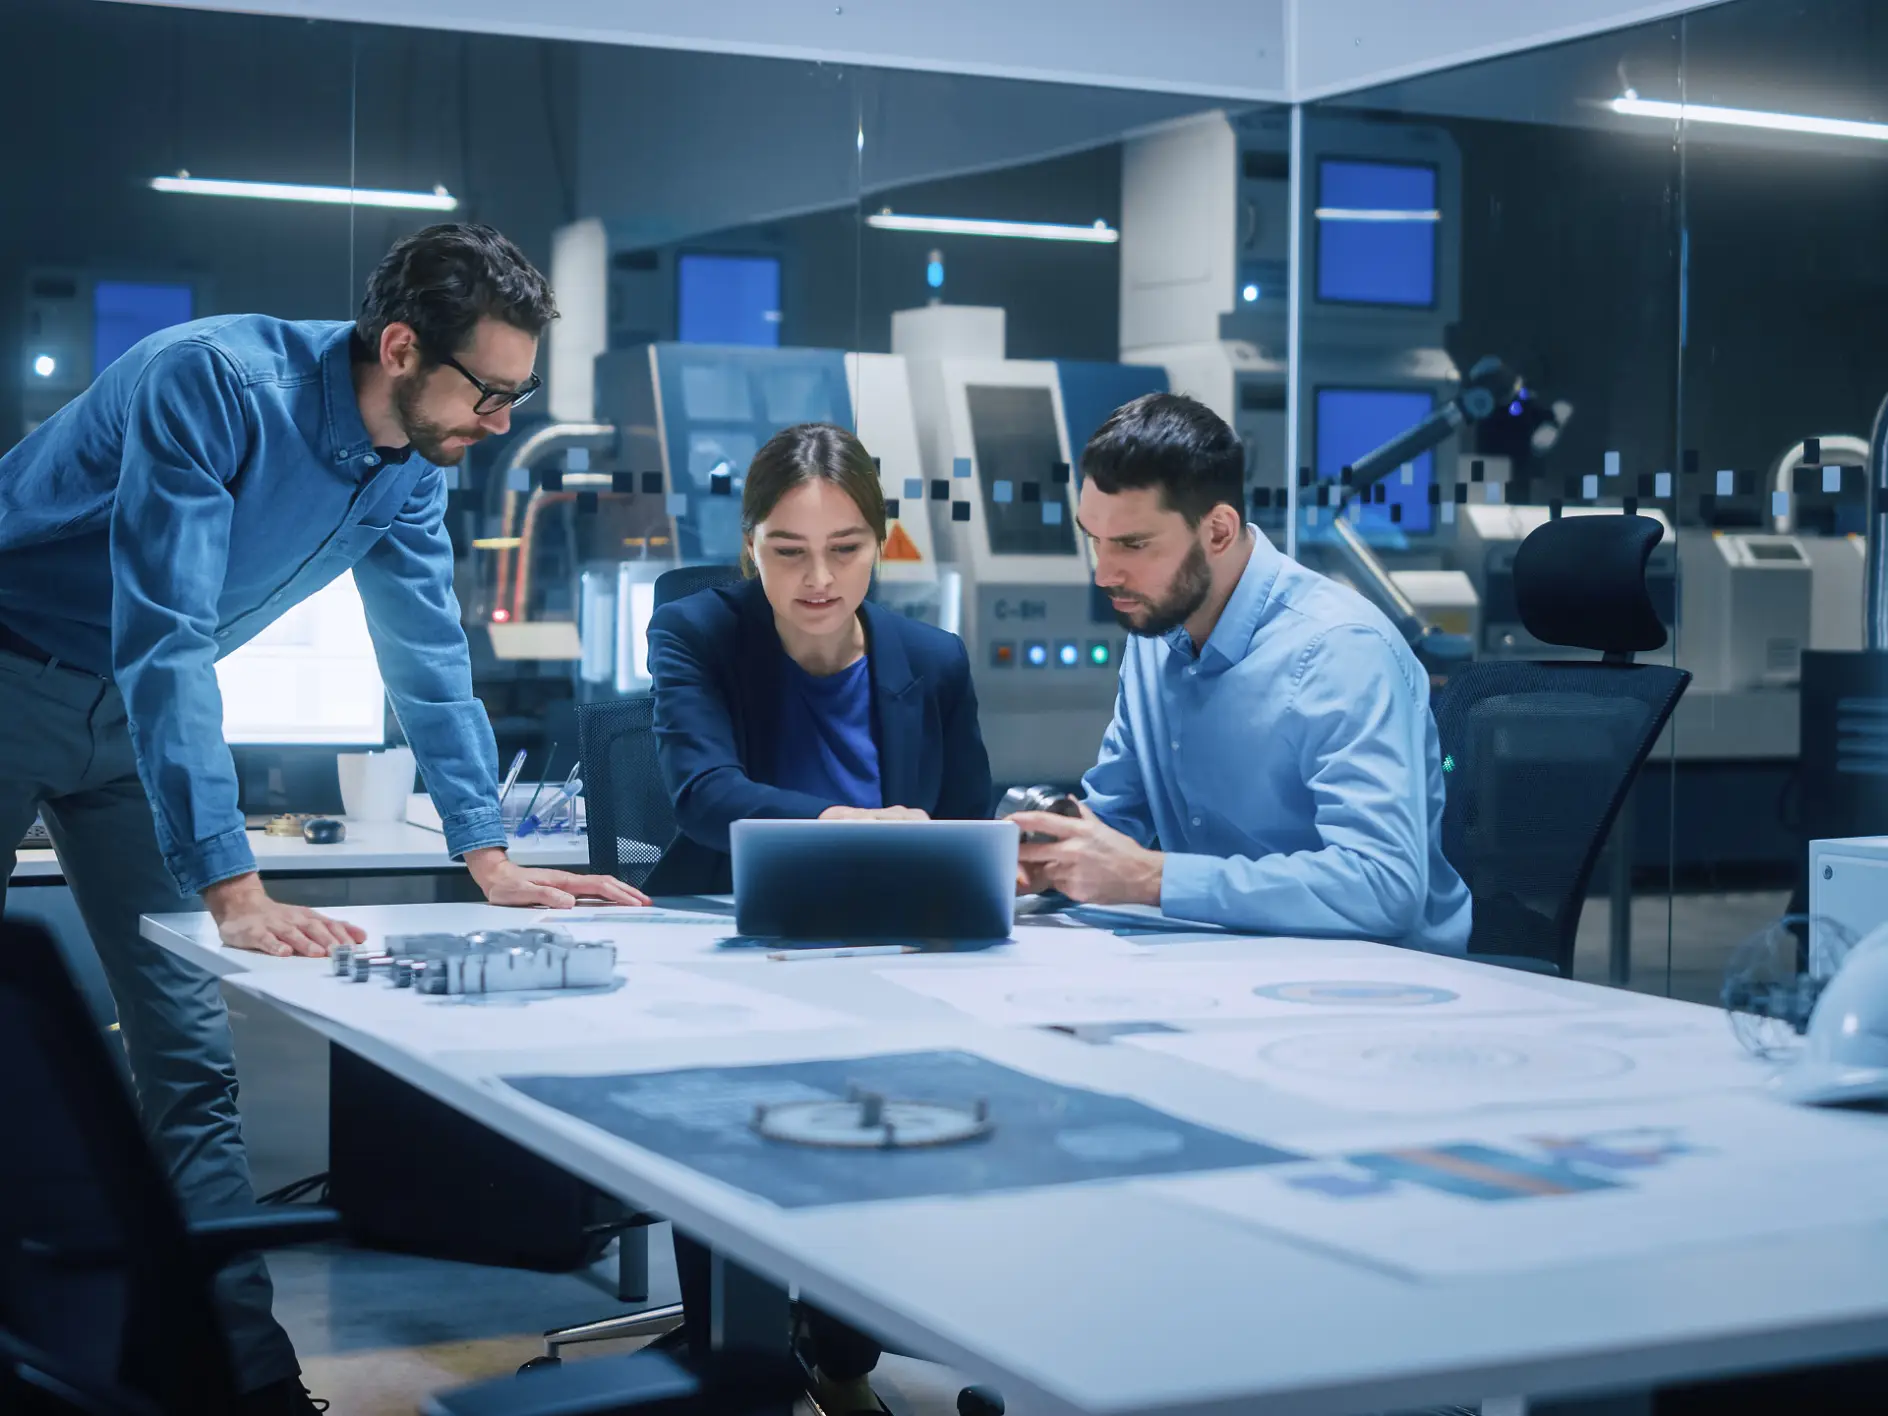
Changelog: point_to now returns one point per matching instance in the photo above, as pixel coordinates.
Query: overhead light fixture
(439, 199)
(1377, 214)
(45, 366)
(1100, 233)
(1632, 106)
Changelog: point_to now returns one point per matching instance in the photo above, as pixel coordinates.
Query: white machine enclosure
(1848, 888)
(1746, 609)
(1045, 666)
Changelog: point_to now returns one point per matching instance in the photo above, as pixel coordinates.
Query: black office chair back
(104, 1303)
(685, 580)
(631, 820)
(1538, 758)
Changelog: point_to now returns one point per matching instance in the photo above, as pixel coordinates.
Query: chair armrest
(645, 1383)
(265, 1227)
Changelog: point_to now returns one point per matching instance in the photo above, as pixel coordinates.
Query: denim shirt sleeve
(185, 432)
(405, 581)
(1358, 721)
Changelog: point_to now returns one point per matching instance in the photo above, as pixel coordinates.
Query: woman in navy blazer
(792, 696)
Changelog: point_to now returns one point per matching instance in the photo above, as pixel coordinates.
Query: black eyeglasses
(492, 399)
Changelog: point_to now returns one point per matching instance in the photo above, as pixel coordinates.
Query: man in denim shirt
(213, 477)
(1272, 765)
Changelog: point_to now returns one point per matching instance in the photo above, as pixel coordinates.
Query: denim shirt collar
(347, 434)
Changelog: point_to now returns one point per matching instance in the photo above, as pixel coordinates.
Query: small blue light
(1037, 654)
(1251, 294)
(1514, 409)
(1068, 655)
(934, 274)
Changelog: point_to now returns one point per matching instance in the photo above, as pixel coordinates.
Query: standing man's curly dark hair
(443, 280)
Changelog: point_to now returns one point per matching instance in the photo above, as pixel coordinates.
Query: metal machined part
(501, 961)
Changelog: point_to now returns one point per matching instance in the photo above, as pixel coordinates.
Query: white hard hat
(1845, 1051)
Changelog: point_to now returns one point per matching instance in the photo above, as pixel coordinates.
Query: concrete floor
(378, 1332)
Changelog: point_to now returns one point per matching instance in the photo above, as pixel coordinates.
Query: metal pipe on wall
(553, 438)
(1874, 629)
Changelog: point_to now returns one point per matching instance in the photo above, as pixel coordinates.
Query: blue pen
(534, 821)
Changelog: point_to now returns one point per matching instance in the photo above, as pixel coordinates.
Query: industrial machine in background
(657, 483)
(1001, 441)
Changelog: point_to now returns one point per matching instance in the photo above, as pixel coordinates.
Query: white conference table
(371, 848)
(1231, 1290)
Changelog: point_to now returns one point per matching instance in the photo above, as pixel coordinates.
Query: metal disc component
(870, 1121)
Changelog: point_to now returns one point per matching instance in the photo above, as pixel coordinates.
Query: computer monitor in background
(308, 680)
(1354, 421)
(728, 299)
(1376, 233)
(124, 311)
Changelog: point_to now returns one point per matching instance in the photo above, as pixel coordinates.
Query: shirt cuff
(1187, 886)
(201, 864)
(473, 830)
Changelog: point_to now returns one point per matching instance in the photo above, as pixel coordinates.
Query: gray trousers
(65, 751)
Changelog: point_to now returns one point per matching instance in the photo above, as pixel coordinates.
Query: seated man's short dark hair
(1172, 442)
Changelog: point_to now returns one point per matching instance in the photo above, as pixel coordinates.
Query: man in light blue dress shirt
(1273, 764)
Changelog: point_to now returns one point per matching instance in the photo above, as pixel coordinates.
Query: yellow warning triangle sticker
(899, 546)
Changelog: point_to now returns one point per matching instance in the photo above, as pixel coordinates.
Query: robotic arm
(1490, 384)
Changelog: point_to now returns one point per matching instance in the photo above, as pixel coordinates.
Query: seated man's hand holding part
(1087, 860)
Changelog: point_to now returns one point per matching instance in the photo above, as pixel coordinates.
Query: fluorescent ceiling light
(1375, 214)
(439, 199)
(1100, 232)
(1632, 106)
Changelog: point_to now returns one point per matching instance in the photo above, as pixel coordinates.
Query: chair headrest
(1580, 581)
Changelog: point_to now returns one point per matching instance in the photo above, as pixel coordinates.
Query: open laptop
(904, 881)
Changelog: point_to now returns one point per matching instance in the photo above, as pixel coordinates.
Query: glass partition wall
(1653, 243)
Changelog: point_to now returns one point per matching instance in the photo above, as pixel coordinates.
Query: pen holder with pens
(556, 810)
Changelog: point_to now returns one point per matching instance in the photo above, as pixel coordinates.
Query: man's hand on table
(1087, 860)
(505, 883)
(872, 813)
(246, 918)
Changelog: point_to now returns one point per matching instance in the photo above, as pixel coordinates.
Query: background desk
(1134, 1296)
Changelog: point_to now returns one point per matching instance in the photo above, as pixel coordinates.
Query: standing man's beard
(1188, 591)
(428, 438)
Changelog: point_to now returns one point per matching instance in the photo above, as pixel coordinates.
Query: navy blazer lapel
(897, 703)
(758, 679)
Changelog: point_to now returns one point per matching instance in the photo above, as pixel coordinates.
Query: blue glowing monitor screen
(1354, 421)
(729, 300)
(123, 312)
(1376, 224)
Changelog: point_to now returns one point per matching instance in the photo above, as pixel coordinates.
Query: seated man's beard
(1175, 605)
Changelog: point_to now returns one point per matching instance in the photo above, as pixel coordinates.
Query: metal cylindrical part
(596, 626)
(342, 959)
(628, 577)
(402, 973)
(363, 968)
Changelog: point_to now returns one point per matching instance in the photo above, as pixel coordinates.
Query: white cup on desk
(375, 785)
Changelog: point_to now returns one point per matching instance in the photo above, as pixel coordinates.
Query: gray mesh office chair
(1539, 757)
